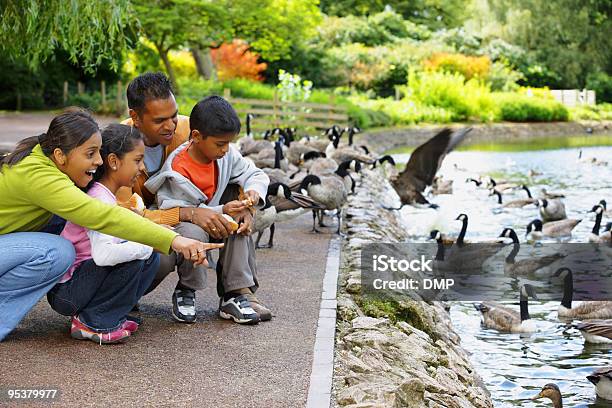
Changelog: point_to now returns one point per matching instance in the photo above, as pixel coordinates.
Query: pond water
(515, 367)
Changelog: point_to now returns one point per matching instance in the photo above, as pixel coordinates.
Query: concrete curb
(319, 390)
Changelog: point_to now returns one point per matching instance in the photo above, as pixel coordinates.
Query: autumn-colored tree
(234, 60)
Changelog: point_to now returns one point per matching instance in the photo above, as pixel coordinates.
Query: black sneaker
(183, 305)
(238, 309)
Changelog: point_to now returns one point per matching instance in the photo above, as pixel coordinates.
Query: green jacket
(34, 189)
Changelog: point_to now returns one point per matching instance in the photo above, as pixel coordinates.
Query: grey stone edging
(319, 390)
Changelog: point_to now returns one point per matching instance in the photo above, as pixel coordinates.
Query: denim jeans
(31, 263)
(102, 296)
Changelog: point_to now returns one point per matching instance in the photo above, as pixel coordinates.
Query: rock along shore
(393, 353)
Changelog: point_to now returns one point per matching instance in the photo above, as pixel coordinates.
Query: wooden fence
(574, 97)
(118, 104)
(275, 113)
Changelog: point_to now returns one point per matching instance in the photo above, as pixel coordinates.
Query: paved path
(16, 126)
(213, 363)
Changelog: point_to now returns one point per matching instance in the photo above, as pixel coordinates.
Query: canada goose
(604, 204)
(278, 161)
(591, 160)
(552, 392)
(594, 236)
(248, 145)
(584, 310)
(423, 165)
(503, 188)
(602, 380)
(550, 195)
(551, 210)
(328, 191)
(520, 203)
(524, 266)
(440, 186)
(382, 160)
(503, 319)
(596, 331)
(345, 153)
(478, 183)
(537, 230)
(387, 164)
(351, 130)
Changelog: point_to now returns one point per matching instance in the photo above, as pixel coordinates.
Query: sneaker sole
(178, 319)
(95, 338)
(228, 316)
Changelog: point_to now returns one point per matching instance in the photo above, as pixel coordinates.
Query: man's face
(157, 121)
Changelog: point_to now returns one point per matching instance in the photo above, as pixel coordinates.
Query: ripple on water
(514, 366)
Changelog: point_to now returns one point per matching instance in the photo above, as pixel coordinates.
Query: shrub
(469, 67)
(592, 112)
(601, 83)
(521, 108)
(234, 60)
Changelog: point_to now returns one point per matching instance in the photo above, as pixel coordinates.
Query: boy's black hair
(146, 87)
(214, 116)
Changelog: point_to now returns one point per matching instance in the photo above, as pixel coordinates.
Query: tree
(90, 32)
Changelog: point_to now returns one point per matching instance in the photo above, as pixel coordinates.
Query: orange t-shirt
(204, 176)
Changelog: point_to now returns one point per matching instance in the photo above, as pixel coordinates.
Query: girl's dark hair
(117, 139)
(67, 131)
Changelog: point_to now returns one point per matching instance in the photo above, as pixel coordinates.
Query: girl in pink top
(109, 275)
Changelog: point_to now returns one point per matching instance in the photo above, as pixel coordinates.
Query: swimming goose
(537, 230)
(520, 203)
(550, 195)
(423, 165)
(601, 378)
(503, 319)
(524, 266)
(503, 188)
(328, 191)
(551, 210)
(596, 331)
(594, 236)
(604, 204)
(584, 310)
(477, 183)
(591, 160)
(552, 392)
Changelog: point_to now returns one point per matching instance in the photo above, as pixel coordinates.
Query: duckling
(330, 192)
(595, 237)
(602, 380)
(537, 230)
(551, 210)
(596, 331)
(550, 195)
(552, 392)
(584, 310)
(423, 165)
(503, 319)
(524, 266)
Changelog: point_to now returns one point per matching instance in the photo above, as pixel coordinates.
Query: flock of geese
(318, 174)
(593, 318)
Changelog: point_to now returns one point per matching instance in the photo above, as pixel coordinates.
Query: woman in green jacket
(43, 176)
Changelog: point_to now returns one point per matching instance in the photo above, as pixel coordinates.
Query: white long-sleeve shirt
(105, 250)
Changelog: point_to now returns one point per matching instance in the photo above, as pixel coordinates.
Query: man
(154, 111)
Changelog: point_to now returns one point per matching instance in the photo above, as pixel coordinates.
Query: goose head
(435, 234)
(552, 392)
(309, 180)
(387, 158)
(543, 203)
(311, 156)
(494, 192)
(536, 225)
(279, 190)
(365, 149)
(528, 291)
(473, 180)
(603, 204)
(597, 209)
(509, 233)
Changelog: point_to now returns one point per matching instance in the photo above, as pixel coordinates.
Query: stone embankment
(384, 139)
(400, 353)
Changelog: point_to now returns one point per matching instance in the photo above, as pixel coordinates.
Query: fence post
(275, 108)
(103, 93)
(118, 99)
(65, 92)
(80, 88)
(227, 93)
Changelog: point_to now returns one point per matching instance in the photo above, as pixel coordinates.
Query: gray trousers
(236, 267)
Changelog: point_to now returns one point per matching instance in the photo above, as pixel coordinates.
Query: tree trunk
(204, 64)
(164, 56)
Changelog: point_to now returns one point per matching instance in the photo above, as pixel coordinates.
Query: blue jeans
(31, 263)
(102, 296)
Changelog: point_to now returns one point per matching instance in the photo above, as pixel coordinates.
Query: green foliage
(402, 112)
(90, 32)
(601, 83)
(522, 108)
(591, 112)
(503, 78)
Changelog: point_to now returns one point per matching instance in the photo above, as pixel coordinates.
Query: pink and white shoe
(81, 332)
(130, 326)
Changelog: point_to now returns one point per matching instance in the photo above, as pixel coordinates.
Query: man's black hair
(146, 87)
(214, 116)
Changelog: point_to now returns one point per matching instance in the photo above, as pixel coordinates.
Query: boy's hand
(253, 196)
(212, 222)
(233, 208)
(245, 219)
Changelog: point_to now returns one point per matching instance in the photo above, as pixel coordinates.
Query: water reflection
(514, 366)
